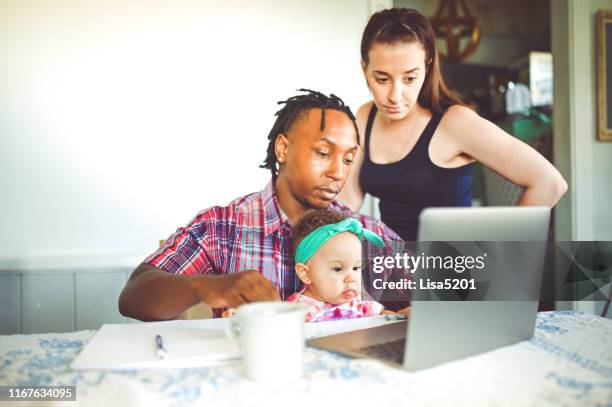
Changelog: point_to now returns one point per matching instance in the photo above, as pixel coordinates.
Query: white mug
(271, 338)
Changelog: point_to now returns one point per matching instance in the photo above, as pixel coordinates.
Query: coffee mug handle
(233, 329)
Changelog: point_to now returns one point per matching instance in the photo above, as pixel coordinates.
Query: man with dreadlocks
(241, 253)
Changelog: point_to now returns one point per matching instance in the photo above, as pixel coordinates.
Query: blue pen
(159, 344)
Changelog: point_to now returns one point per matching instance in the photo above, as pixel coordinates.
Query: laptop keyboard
(391, 351)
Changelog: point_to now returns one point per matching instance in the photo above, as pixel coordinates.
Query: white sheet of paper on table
(132, 346)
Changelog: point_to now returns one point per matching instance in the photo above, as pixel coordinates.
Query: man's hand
(231, 290)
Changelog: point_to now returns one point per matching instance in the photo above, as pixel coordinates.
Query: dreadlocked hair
(295, 107)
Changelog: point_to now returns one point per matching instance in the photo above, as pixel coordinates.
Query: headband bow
(318, 237)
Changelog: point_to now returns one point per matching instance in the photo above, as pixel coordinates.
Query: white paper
(132, 346)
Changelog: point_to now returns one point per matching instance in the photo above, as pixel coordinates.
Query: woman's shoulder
(361, 117)
(459, 112)
(459, 119)
(364, 109)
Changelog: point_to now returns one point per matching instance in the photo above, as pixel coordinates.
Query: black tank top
(408, 186)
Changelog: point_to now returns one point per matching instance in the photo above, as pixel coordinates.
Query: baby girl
(327, 247)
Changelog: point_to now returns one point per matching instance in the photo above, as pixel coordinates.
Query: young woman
(419, 140)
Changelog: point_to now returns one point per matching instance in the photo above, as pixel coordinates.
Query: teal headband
(318, 237)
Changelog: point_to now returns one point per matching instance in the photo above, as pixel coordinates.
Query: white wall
(584, 161)
(584, 213)
(119, 120)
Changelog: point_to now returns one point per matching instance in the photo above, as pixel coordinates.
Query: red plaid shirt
(251, 233)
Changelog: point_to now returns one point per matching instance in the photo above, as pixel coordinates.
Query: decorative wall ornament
(604, 74)
(453, 23)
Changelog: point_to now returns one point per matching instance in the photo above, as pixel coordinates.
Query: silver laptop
(442, 331)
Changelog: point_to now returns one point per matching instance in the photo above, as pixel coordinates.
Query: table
(568, 362)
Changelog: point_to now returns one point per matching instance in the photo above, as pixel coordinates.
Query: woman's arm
(351, 194)
(511, 158)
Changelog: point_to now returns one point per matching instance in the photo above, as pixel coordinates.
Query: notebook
(132, 346)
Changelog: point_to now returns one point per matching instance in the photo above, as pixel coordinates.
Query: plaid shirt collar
(274, 216)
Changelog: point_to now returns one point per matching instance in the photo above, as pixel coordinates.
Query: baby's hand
(228, 312)
(403, 311)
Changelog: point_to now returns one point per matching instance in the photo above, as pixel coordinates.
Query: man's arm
(152, 294)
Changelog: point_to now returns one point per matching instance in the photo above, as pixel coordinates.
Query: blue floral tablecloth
(568, 362)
